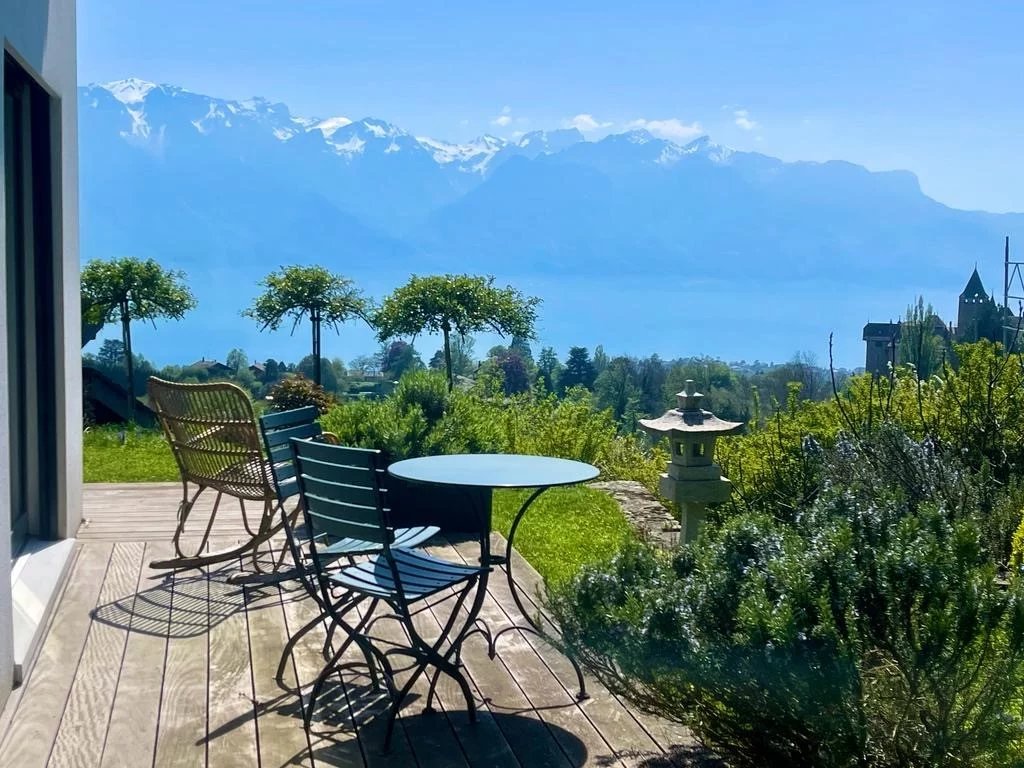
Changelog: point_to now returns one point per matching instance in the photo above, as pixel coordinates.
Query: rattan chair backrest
(212, 431)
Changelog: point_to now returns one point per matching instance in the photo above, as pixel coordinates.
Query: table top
(493, 470)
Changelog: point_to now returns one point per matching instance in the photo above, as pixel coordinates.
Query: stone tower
(881, 340)
(973, 311)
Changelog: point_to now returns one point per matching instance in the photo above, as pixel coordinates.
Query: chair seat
(421, 574)
(404, 538)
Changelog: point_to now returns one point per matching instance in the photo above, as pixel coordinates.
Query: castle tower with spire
(978, 317)
(975, 311)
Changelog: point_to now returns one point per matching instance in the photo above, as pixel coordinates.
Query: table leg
(531, 625)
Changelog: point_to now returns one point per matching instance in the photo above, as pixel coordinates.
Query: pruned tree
(127, 289)
(296, 292)
(460, 304)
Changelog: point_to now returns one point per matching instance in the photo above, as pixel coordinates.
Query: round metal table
(500, 470)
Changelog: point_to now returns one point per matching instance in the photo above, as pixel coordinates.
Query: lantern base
(693, 497)
(691, 519)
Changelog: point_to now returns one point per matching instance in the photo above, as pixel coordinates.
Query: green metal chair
(277, 430)
(343, 495)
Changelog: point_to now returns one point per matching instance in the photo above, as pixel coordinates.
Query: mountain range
(632, 240)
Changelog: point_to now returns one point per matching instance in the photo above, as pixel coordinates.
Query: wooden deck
(147, 668)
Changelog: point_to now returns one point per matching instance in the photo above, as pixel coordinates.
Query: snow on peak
(637, 136)
(130, 90)
(328, 126)
(350, 138)
(380, 129)
(353, 146)
(705, 146)
(255, 104)
(471, 157)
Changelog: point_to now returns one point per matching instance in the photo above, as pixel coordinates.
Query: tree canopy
(920, 345)
(126, 289)
(578, 371)
(462, 304)
(399, 357)
(298, 291)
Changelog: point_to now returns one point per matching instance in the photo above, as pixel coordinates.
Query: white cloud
(743, 120)
(672, 129)
(504, 119)
(585, 123)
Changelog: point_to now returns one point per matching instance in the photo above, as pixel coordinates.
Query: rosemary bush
(866, 627)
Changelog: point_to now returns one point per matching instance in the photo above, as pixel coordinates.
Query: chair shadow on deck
(338, 746)
(350, 717)
(181, 605)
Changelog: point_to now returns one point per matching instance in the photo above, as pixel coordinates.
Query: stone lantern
(693, 480)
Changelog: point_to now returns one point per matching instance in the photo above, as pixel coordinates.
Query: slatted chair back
(342, 494)
(277, 430)
(211, 429)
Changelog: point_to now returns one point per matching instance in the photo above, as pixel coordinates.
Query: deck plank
(83, 729)
(34, 729)
(624, 732)
(580, 741)
(511, 686)
(182, 728)
(428, 736)
(195, 684)
(367, 708)
(148, 512)
(231, 726)
(483, 743)
(131, 738)
(335, 746)
(282, 740)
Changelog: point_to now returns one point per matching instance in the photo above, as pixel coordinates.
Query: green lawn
(565, 527)
(141, 456)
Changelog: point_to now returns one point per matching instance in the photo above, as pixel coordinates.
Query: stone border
(643, 510)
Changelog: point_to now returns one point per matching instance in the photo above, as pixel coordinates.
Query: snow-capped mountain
(229, 189)
(148, 109)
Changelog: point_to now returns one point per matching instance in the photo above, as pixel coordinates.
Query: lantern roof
(689, 417)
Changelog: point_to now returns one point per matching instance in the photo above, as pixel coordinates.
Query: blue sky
(931, 87)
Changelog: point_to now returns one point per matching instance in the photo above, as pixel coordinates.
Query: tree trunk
(315, 319)
(129, 362)
(448, 357)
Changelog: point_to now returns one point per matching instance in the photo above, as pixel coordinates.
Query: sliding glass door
(31, 299)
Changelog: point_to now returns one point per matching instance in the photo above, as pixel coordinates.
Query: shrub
(422, 418)
(865, 628)
(426, 390)
(297, 392)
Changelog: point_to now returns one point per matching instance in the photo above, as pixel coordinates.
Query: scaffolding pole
(1013, 288)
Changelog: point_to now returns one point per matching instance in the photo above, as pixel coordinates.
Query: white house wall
(40, 34)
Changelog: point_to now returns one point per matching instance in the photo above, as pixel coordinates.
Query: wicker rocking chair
(212, 431)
